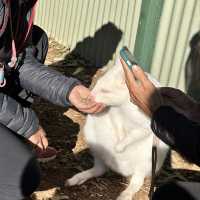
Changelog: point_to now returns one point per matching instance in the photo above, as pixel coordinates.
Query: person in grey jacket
(23, 48)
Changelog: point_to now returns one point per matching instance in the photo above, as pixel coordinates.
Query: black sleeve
(182, 134)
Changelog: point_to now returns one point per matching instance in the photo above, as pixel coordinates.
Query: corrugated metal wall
(179, 22)
(96, 29)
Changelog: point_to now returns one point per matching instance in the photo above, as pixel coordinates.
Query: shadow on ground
(63, 132)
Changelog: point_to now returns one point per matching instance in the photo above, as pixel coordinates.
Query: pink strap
(31, 19)
(14, 54)
(30, 23)
(13, 61)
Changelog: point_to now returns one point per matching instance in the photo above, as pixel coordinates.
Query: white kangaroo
(120, 138)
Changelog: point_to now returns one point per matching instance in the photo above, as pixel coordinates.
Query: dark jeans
(178, 191)
(19, 169)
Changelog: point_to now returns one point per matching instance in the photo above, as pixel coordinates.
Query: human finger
(87, 105)
(94, 109)
(45, 142)
(100, 108)
(140, 75)
(40, 145)
(129, 76)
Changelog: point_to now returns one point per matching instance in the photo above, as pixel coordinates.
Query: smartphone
(128, 57)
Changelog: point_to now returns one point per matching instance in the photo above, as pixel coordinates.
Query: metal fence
(179, 22)
(95, 29)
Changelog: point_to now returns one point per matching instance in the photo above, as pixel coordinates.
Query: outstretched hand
(83, 100)
(141, 89)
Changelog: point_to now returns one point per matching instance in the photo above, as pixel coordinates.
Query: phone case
(128, 58)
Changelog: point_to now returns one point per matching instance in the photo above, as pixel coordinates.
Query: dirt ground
(63, 127)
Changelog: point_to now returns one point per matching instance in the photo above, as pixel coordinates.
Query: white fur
(120, 138)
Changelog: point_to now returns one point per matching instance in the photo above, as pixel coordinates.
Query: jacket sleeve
(182, 134)
(44, 81)
(4, 9)
(17, 118)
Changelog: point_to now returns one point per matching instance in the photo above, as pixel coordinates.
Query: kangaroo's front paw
(77, 179)
(125, 196)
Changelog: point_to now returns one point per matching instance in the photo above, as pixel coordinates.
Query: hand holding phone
(142, 91)
(128, 57)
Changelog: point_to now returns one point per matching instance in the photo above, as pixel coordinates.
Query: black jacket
(33, 76)
(182, 134)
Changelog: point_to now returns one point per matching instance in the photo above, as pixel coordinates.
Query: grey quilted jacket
(34, 77)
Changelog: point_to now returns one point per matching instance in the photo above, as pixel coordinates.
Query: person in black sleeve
(175, 119)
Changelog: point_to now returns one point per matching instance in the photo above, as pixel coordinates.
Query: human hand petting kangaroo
(83, 100)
